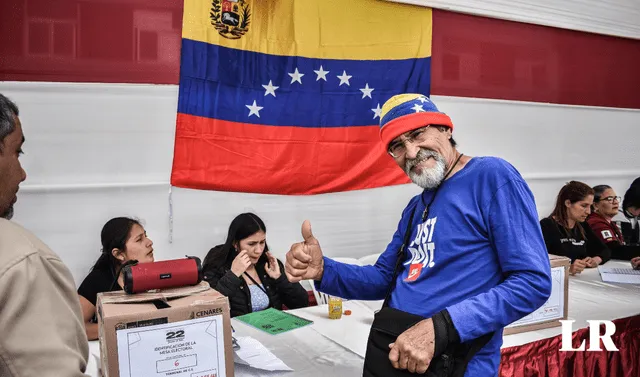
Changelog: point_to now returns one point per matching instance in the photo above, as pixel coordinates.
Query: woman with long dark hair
(566, 233)
(123, 239)
(246, 272)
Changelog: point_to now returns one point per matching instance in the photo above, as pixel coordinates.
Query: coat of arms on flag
(230, 17)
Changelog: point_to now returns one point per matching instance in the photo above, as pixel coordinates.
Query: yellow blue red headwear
(407, 112)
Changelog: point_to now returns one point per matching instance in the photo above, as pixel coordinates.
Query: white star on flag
(254, 109)
(366, 91)
(270, 89)
(321, 74)
(296, 76)
(377, 112)
(344, 79)
(423, 99)
(417, 108)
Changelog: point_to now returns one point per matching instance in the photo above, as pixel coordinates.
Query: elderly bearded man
(474, 262)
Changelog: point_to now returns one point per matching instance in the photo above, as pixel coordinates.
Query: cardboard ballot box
(181, 332)
(556, 307)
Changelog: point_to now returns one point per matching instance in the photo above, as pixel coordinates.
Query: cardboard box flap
(121, 297)
(559, 260)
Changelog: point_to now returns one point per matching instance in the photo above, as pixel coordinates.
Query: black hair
(243, 226)
(114, 235)
(631, 198)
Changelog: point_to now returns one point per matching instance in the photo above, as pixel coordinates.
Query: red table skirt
(543, 358)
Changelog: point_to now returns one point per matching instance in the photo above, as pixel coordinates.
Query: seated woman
(565, 232)
(246, 272)
(123, 240)
(605, 208)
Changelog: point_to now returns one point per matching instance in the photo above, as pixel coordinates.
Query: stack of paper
(255, 355)
(619, 275)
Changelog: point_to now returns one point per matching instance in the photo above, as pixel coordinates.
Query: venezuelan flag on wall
(284, 97)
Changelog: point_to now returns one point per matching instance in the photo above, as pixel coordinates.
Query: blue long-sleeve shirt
(479, 254)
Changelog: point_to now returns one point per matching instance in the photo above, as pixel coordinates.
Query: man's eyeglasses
(398, 148)
(611, 199)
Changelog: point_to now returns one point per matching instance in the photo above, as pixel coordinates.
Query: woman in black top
(566, 233)
(246, 272)
(123, 239)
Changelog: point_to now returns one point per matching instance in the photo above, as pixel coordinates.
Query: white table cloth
(335, 347)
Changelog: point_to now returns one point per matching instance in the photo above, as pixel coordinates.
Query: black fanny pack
(389, 323)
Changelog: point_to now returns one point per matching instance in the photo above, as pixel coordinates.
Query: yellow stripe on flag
(331, 29)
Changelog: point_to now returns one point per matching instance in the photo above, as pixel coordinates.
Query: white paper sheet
(619, 275)
(554, 307)
(350, 331)
(193, 348)
(255, 355)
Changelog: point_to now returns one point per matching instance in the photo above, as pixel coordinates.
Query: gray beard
(8, 214)
(428, 179)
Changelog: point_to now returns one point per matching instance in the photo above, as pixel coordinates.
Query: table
(537, 353)
(336, 347)
(305, 350)
(589, 298)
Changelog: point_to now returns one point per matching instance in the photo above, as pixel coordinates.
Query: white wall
(95, 151)
(611, 17)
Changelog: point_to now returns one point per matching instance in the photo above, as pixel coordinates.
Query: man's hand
(635, 263)
(413, 349)
(304, 260)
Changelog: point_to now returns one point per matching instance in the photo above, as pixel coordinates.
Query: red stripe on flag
(212, 154)
(490, 58)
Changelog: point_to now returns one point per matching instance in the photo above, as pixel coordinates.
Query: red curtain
(543, 358)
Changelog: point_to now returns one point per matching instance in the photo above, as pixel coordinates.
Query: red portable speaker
(142, 277)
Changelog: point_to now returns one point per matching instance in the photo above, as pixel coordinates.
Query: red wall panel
(138, 41)
(127, 41)
(488, 58)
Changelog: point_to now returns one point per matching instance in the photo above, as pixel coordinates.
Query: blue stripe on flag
(223, 83)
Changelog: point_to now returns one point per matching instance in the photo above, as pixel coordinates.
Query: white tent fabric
(96, 151)
(612, 17)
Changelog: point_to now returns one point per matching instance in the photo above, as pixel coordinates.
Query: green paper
(273, 321)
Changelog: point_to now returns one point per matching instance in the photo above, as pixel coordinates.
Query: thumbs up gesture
(304, 260)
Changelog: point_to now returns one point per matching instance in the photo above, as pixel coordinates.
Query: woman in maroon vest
(605, 208)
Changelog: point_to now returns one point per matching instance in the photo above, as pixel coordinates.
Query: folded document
(254, 354)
